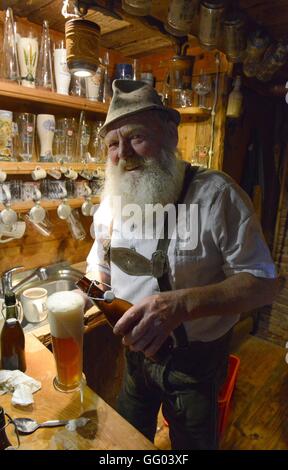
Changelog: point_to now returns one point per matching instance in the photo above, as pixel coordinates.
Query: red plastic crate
(226, 392)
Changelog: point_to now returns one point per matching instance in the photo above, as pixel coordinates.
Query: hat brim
(173, 114)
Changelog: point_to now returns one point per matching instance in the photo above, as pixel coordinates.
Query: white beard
(159, 181)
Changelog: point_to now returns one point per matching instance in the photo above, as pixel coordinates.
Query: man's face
(141, 165)
(135, 139)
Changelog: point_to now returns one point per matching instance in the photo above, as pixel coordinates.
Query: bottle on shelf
(4, 441)
(12, 336)
(114, 308)
(235, 100)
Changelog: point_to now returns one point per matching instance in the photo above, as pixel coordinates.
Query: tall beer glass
(66, 320)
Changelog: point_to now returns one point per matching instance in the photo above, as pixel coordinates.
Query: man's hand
(146, 325)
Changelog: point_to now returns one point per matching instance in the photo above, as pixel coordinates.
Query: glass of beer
(66, 320)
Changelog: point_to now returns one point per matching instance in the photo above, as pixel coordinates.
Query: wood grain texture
(106, 431)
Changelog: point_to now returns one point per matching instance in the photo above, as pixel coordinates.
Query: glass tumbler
(25, 125)
(66, 320)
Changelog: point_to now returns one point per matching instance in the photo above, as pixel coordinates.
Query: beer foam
(65, 314)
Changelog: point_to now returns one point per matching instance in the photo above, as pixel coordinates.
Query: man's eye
(112, 145)
(137, 137)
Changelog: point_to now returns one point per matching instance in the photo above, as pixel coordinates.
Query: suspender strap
(163, 244)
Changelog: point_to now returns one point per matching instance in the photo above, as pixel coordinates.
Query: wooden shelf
(24, 99)
(194, 113)
(49, 204)
(25, 168)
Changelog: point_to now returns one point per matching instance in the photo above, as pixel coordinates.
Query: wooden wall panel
(34, 250)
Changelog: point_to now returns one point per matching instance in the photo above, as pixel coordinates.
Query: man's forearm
(237, 294)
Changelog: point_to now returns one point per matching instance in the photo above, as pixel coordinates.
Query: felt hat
(131, 97)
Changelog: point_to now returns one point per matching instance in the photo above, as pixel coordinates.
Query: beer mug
(66, 320)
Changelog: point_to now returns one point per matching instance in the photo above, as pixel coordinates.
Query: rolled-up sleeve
(238, 235)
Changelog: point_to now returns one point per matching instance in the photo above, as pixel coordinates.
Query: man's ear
(172, 133)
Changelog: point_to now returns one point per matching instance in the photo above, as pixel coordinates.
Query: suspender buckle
(159, 263)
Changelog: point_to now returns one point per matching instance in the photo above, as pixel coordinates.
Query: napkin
(21, 385)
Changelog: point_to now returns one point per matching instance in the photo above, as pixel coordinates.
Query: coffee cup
(39, 173)
(34, 303)
(3, 176)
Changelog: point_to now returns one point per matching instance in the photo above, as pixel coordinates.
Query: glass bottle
(44, 74)
(12, 336)
(114, 308)
(10, 66)
(137, 7)
(235, 36)
(235, 100)
(180, 17)
(257, 43)
(211, 13)
(275, 56)
(4, 441)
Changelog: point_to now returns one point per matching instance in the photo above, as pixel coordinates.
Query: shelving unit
(19, 98)
(194, 113)
(49, 204)
(25, 168)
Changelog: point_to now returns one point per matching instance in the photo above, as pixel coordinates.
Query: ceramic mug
(39, 173)
(34, 303)
(3, 176)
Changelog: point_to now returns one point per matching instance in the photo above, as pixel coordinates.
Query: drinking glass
(75, 225)
(202, 86)
(46, 130)
(10, 66)
(44, 72)
(66, 320)
(62, 74)
(25, 135)
(96, 144)
(28, 49)
(64, 144)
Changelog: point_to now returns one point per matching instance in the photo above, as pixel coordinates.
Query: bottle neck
(90, 288)
(11, 311)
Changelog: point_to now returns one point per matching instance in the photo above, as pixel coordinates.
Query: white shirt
(230, 241)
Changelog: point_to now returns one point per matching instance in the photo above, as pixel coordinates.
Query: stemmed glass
(202, 86)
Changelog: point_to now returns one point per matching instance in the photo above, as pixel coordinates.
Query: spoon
(28, 425)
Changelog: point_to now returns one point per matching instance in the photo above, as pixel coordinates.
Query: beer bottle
(4, 441)
(12, 336)
(113, 308)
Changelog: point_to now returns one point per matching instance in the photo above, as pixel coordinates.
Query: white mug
(39, 173)
(3, 176)
(55, 173)
(62, 74)
(34, 303)
(46, 130)
(71, 174)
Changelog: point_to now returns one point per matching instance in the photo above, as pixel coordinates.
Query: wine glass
(202, 86)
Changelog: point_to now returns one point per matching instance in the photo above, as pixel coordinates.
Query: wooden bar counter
(106, 430)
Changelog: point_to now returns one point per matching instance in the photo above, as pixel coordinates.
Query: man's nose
(125, 149)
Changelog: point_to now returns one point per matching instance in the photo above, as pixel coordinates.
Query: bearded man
(186, 295)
